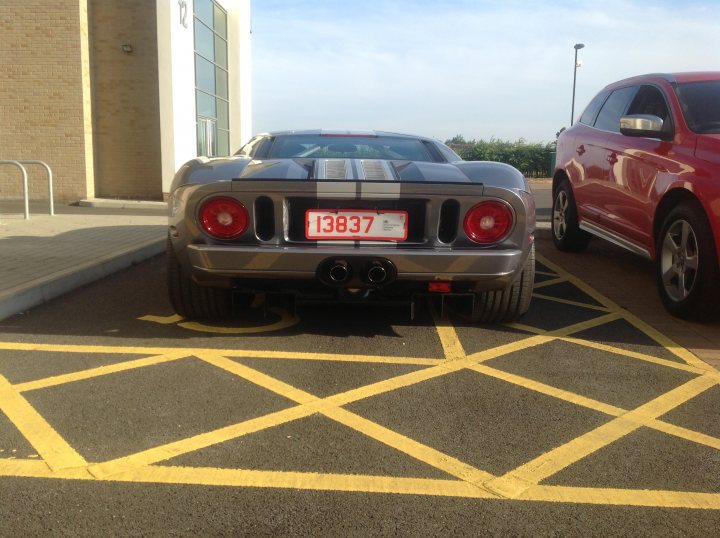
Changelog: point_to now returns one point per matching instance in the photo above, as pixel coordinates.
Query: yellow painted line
(72, 348)
(38, 469)
(592, 292)
(549, 390)
(623, 497)
(241, 478)
(513, 483)
(331, 357)
(248, 353)
(198, 442)
(97, 372)
(668, 344)
(51, 447)
(571, 303)
(506, 349)
(685, 433)
(674, 398)
(285, 321)
(262, 380)
(551, 282)
(570, 329)
(404, 444)
(448, 338)
(302, 481)
(635, 355)
(163, 320)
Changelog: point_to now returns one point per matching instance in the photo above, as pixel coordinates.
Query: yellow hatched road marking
(571, 303)
(209, 476)
(411, 447)
(623, 497)
(61, 461)
(660, 338)
(99, 371)
(513, 483)
(51, 447)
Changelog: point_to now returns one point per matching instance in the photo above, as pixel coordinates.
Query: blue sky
(483, 69)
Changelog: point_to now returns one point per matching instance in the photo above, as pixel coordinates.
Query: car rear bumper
(210, 262)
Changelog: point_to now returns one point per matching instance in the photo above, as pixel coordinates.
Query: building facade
(115, 95)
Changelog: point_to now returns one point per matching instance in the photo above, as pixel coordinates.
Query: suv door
(593, 195)
(635, 163)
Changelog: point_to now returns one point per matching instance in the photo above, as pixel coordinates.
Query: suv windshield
(349, 147)
(700, 102)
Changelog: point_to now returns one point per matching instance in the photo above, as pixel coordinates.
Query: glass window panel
(206, 105)
(609, 117)
(204, 75)
(223, 115)
(221, 83)
(204, 11)
(223, 142)
(221, 52)
(220, 21)
(204, 41)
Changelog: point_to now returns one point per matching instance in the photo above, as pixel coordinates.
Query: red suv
(641, 168)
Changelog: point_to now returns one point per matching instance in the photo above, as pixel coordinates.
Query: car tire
(189, 299)
(687, 265)
(566, 233)
(508, 304)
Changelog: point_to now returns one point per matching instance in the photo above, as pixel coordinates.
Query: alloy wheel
(560, 208)
(679, 260)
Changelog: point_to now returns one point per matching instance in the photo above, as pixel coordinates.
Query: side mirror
(646, 125)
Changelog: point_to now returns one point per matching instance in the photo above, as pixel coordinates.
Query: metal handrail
(26, 195)
(25, 185)
(50, 181)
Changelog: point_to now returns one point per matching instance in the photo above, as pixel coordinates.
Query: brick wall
(126, 113)
(42, 114)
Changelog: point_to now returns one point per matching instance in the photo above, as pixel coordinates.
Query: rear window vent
(448, 225)
(264, 218)
(376, 170)
(336, 169)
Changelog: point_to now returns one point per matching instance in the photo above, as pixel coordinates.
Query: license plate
(356, 224)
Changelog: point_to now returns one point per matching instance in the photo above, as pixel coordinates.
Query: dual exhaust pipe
(340, 272)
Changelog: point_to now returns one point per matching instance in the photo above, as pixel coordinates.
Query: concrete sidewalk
(46, 256)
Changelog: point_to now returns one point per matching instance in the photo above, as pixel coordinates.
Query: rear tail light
(488, 222)
(224, 218)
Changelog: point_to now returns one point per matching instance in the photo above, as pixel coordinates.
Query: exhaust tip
(377, 274)
(339, 272)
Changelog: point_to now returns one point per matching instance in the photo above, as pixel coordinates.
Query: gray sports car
(345, 215)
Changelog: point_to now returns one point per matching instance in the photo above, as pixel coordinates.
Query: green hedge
(533, 160)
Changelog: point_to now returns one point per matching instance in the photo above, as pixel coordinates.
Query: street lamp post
(577, 47)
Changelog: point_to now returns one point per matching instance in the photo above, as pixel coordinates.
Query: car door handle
(613, 158)
(580, 149)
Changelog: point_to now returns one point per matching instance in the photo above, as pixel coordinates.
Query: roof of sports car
(342, 132)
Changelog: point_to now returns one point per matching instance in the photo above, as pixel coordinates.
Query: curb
(108, 203)
(22, 298)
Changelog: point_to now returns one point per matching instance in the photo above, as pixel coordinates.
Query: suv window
(650, 100)
(700, 102)
(588, 117)
(613, 109)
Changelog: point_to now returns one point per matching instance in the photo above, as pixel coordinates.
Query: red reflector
(439, 287)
